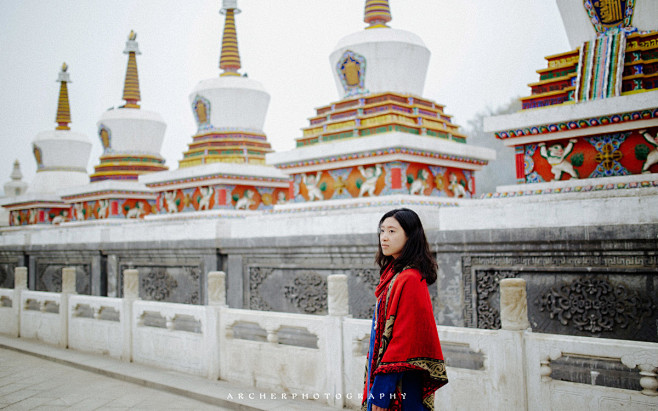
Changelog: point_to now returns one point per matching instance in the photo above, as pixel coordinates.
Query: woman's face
(392, 237)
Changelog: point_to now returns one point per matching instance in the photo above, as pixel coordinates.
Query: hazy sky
(484, 53)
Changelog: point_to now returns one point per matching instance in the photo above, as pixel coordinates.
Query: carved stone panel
(308, 292)
(49, 277)
(362, 284)
(596, 305)
(569, 294)
(487, 284)
(293, 290)
(7, 275)
(173, 284)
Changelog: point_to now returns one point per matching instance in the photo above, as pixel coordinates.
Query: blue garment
(370, 349)
(383, 390)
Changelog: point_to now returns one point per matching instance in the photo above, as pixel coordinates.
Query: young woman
(405, 363)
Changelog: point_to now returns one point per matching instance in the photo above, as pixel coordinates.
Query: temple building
(580, 227)
(224, 168)
(61, 156)
(382, 141)
(131, 138)
(594, 111)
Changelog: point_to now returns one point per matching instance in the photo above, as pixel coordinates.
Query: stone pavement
(36, 376)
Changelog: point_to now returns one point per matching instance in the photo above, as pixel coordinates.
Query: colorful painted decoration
(105, 135)
(351, 69)
(201, 110)
(607, 155)
(556, 155)
(609, 14)
(647, 154)
(37, 156)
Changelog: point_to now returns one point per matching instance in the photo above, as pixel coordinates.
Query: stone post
(20, 284)
(68, 280)
(130, 294)
(213, 338)
(338, 307)
(511, 338)
(68, 288)
(131, 284)
(338, 295)
(217, 288)
(20, 278)
(513, 304)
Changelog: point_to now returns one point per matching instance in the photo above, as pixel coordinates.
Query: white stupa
(233, 101)
(61, 154)
(224, 167)
(16, 186)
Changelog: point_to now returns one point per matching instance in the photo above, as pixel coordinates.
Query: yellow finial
(63, 117)
(377, 13)
(229, 61)
(131, 85)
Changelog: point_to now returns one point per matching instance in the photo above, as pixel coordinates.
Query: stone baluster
(545, 370)
(513, 304)
(647, 362)
(272, 335)
(648, 380)
(170, 319)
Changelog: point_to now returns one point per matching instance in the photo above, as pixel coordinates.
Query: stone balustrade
(322, 357)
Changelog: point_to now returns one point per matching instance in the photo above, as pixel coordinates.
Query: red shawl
(406, 337)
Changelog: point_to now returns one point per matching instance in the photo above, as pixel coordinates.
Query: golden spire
(131, 85)
(229, 61)
(63, 109)
(377, 14)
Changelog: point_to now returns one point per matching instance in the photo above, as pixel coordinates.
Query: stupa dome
(232, 102)
(133, 131)
(379, 58)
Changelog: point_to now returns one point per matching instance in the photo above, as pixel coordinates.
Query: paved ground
(37, 376)
(31, 383)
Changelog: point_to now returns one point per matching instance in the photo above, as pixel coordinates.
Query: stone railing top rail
(169, 310)
(272, 321)
(41, 296)
(95, 301)
(7, 292)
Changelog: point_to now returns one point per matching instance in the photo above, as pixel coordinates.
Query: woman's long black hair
(416, 252)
